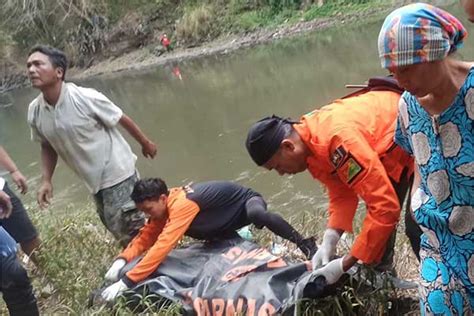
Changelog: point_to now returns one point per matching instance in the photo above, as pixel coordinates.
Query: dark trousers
(16, 288)
(412, 230)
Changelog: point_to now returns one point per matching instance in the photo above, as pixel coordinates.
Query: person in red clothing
(348, 146)
(205, 211)
(165, 42)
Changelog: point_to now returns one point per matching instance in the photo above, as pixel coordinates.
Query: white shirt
(81, 128)
(2, 183)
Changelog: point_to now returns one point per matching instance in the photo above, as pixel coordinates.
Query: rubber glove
(111, 292)
(327, 250)
(113, 272)
(331, 271)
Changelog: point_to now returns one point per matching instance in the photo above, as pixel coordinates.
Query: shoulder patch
(350, 169)
(338, 156)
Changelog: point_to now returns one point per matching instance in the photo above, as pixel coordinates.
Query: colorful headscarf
(418, 33)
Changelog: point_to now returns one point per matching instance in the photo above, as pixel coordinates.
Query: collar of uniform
(302, 129)
(319, 159)
(175, 194)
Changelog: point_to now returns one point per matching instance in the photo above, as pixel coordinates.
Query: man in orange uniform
(348, 146)
(206, 211)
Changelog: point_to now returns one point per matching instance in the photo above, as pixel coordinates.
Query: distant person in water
(80, 126)
(206, 211)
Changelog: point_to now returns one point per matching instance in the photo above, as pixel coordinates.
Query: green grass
(242, 20)
(77, 251)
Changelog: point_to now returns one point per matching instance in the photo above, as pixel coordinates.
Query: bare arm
(17, 177)
(49, 159)
(148, 147)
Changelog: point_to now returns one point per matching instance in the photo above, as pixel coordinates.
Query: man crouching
(206, 211)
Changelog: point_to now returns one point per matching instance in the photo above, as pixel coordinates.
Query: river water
(201, 121)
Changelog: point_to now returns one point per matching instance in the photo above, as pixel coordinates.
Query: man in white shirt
(80, 126)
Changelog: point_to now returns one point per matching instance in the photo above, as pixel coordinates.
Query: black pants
(257, 214)
(412, 230)
(16, 288)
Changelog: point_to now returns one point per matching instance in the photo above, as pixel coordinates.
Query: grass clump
(196, 24)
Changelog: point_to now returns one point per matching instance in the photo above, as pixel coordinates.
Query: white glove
(110, 293)
(332, 271)
(327, 249)
(113, 272)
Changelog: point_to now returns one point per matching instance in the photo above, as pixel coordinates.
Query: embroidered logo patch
(349, 169)
(353, 169)
(338, 156)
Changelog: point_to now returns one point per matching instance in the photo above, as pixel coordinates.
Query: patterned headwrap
(418, 33)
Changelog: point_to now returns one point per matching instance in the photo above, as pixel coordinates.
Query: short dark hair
(56, 56)
(147, 189)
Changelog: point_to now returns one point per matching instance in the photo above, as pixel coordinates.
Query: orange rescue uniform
(159, 237)
(205, 210)
(354, 155)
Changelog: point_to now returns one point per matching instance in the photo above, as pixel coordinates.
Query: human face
(418, 79)
(469, 8)
(41, 71)
(155, 208)
(289, 159)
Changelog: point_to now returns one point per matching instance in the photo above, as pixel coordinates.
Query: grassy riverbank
(77, 251)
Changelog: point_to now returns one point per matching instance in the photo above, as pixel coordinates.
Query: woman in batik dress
(417, 44)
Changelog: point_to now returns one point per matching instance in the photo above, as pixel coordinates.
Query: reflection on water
(200, 123)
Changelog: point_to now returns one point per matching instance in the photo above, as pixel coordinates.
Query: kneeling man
(205, 211)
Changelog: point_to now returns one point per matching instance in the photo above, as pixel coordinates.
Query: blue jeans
(16, 287)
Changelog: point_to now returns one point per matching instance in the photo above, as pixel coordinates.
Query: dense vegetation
(92, 28)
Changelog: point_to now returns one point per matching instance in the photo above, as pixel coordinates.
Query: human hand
(5, 205)
(113, 272)
(111, 292)
(20, 181)
(149, 149)
(45, 194)
(332, 271)
(327, 250)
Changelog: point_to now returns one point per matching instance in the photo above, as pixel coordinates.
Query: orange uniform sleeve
(181, 214)
(144, 240)
(342, 203)
(359, 167)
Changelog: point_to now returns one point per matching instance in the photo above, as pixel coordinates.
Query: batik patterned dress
(443, 206)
